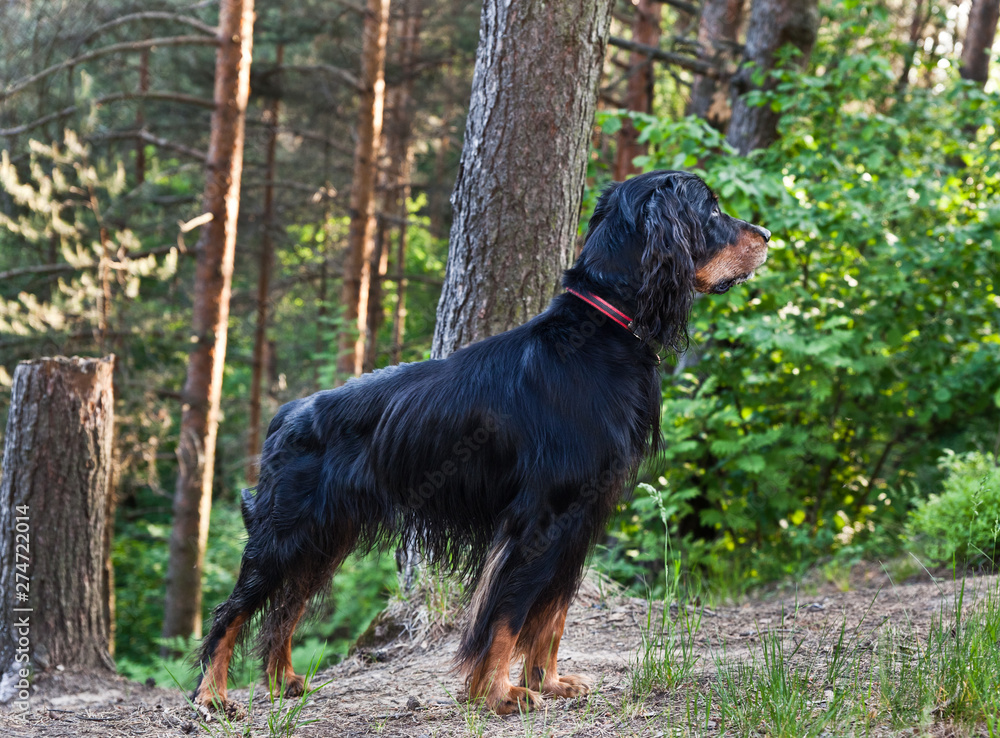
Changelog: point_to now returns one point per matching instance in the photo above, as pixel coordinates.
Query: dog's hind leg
(283, 618)
(252, 590)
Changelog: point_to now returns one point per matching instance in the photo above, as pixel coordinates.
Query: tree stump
(56, 587)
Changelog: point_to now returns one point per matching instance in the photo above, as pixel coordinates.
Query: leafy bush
(813, 396)
(961, 524)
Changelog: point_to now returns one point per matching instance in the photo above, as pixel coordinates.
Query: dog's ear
(672, 233)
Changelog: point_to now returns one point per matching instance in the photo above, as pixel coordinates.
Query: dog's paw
(570, 685)
(210, 707)
(517, 699)
(289, 686)
(295, 686)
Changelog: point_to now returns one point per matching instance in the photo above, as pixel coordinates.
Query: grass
(284, 715)
(894, 677)
(868, 680)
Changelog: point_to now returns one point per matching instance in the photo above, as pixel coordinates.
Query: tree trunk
(56, 502)
(360, 239)
(210, 317)
(140, 119)
(521, 176)
(399, 155)
(271, 115)
(718, 31)
(379, 266)
(773, 24)
(978, 42)
(520, 180)
(639, 90)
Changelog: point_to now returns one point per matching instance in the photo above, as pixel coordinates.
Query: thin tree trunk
(140, 119)
(520, 182)
(773, 24)
(210, 316)
(399, 309)
(360, 239)
(376, 310)
(718, 31)
(978, 44)
(56, 502)
(271, 116)
(322, 322)
(916, 34)
(639, 89)
(437, 205)
(398, 135)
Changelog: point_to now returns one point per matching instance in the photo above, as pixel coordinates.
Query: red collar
(605, 307)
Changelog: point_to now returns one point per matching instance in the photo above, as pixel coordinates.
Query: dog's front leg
(541, 636)
(490, 678)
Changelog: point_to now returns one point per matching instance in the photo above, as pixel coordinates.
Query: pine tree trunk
(398, 134)
(271, 115)
(378, 266)
(210, 316)
(521, 176)
(56, 502)
(978, 43)
(718, 30)
(520, 181)
(361, 235)
(773, 24)
(639, 90)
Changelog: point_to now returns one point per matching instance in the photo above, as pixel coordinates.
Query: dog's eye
(716, 212)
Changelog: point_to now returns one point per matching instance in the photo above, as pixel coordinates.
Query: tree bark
(140, 118)
(520, 181)
(360, 238)
(210, 316)
(271, 115)
(398, 157)
(639, 89)
(978, 44)
(718, 31)
(773, 24)
(56, 502)
(378, 266)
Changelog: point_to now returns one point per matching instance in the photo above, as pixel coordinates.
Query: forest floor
(801, 662)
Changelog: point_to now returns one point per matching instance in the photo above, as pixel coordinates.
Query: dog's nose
(764, 232)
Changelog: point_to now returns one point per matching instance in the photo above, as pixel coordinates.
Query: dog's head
(658, 237)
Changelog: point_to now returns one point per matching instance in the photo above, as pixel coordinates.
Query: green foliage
(962, 524)
(813, 399)
(140, 554)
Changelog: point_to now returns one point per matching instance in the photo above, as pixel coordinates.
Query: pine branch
(684, 7)
(180, 97)
(152, 15)
(127, 46)
(342, 74)
(147, 137)
(65, 268)
(685, 62)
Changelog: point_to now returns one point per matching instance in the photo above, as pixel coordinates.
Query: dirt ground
(403, 687)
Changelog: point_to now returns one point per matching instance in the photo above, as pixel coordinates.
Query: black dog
(504, 460)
